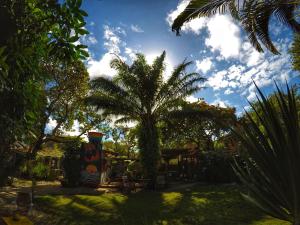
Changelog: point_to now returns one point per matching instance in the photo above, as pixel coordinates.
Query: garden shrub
(41, 171)
(215, 167)
(38, 169)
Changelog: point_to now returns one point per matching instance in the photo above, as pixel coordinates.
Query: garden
(108, 117)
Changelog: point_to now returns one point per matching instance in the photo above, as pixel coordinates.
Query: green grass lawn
(203, 205)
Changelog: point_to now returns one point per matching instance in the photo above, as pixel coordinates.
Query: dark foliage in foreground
(273, 144)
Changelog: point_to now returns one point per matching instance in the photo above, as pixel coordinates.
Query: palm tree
(253, 15)
(139, 93)
(271, 170)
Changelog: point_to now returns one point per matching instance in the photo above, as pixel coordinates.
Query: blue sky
(217, 45)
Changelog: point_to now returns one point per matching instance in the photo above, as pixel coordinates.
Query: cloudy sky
(217, 45)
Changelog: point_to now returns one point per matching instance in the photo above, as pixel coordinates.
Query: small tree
(272, 172)
(65, 88)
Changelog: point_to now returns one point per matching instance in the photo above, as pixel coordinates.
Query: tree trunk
(149, 149)
(37, 146)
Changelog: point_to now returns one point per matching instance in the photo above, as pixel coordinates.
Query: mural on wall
(92, 156)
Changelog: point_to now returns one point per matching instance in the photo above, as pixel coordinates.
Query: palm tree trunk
(149, 149)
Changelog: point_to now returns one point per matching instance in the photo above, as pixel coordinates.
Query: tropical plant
(253, 15)
(273, 146)
(139, 93)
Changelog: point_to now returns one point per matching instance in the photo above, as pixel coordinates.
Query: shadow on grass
(209, 205)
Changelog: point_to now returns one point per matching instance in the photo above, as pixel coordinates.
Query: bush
(41, 171)
(215, 167)
(38, 169)
(71, 164)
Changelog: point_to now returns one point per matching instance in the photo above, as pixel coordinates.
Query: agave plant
(272, 171)
(253, 15)
(139, 93)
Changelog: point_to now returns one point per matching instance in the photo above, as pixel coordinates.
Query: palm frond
(254, 19)
(126, 119)
(111, 88)
(108, 86)
(254, 16)
(175, 81)
(180, 88)
(285, 14)
(201, 8)
(111, 105)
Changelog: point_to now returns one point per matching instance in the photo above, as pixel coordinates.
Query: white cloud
(131, 53)
(101, 67)
(195, 25)
(221, 103)
(251, 66)
(224, 36)
(228, 91)
(136, 28)
(250, 56)
(112, 40)
(92, 40)
(169, 66)
(204, 65)
(191, 99)
(51, 125)
(284, 77)
(252, 96)
(113, 44)
(218, 80)
(174, 13)
(247, 108)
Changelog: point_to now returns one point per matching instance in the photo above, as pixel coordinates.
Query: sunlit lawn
(204, 205)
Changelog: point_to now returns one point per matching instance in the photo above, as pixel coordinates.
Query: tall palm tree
(139, 93)
(253, 15)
